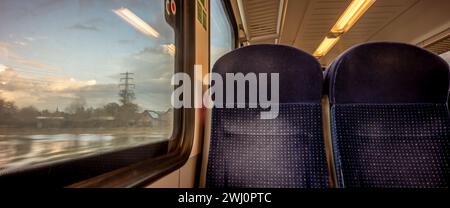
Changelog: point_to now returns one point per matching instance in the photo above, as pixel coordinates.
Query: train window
(80, 78)
(221, 31)
(446, 56)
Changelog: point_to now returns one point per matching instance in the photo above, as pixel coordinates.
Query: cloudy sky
(53, 52)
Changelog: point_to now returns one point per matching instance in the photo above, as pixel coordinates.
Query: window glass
(446, 56)
(221, 32)
(82, 77)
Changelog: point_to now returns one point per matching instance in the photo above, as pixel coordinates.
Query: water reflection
(26, 148)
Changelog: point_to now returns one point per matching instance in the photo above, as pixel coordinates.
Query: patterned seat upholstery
(286, 152)
(390, 123)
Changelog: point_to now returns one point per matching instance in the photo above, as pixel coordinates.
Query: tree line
(76, 115)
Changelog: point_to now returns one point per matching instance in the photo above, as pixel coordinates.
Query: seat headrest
(388, 72)
(300, 73)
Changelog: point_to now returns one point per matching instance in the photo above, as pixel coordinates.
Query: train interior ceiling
(305, 24)
(194, 33)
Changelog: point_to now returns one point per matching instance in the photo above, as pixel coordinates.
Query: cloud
(17, 81)
(64, 84)
(169, 49)
(32, 39)
(7, 54)
(4, 49)
(80, 26)
(39, 91)
(36, 64)
(151, 63)
(2, 68)
(93, 24)
(21, 43)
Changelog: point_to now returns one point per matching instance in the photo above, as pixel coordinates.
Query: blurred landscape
(29, 136)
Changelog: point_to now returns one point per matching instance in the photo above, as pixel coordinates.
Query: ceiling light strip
(136, 22)
(345, 22)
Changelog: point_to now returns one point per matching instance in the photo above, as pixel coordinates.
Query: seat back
(246, 151)
(390, 123)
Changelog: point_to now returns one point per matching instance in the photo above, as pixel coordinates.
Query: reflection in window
(82, 77)
(221, 32)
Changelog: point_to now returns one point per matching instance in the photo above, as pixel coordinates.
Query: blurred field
(21, 147)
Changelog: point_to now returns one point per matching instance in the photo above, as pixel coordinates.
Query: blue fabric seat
(286, 152)
(390, 123)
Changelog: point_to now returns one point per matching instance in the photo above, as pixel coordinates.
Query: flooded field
(24, 147)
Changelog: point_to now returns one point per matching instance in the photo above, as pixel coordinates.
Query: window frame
(233, 23)
(228, 9)
(147, 162)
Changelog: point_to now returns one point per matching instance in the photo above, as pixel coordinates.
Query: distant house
(148, 118)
